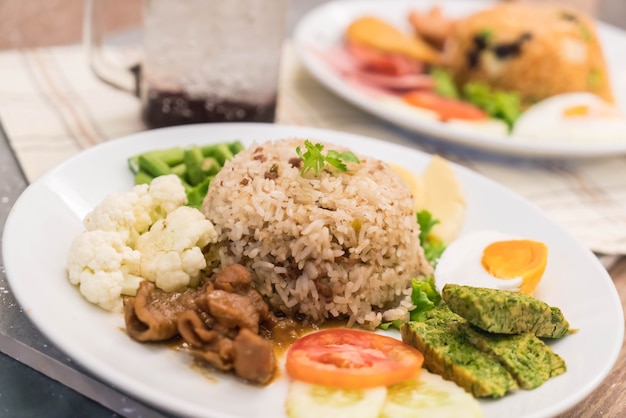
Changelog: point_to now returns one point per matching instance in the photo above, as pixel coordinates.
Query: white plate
(322, 29)
(48, 215)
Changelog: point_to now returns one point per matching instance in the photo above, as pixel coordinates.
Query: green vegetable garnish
(498, 104)
(486, 34)
(314, 159)
(424, 296)
(432, 245)
(444, 84)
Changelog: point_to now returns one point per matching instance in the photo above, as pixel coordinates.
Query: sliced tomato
(444, 107)
(352, 359)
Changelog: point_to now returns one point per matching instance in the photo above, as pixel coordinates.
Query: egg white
(545, 121)
(461, 264)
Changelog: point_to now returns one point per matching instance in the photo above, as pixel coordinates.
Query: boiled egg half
(572, 118)
(492, 259)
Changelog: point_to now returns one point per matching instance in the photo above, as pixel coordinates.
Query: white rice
(332, 245)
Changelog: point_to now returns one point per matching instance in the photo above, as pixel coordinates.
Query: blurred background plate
(322, 30)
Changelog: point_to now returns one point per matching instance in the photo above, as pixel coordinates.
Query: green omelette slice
(505, 312)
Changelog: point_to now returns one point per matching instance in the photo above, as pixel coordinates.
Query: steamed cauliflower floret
(171, 252)
(103, 267)
(132, 213)
(167, 195)
(144, 233)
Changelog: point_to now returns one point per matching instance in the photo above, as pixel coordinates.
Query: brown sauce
(286, 332)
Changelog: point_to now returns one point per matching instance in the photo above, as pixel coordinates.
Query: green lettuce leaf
(432, 245)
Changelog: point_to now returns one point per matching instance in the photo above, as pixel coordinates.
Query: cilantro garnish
(314, 159)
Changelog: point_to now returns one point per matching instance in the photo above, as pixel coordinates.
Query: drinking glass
(202, 61)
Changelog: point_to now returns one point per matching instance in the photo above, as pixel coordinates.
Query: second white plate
(322, 29)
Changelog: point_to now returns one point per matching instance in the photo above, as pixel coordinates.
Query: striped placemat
(53, 107)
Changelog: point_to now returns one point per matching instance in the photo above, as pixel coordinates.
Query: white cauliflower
(132, 213)
(171, 252)
(103, 267)
(145, 233)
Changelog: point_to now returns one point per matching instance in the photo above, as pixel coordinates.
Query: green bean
(196, 166)
(153, 166)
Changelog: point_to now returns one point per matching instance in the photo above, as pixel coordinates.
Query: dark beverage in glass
(164, 108)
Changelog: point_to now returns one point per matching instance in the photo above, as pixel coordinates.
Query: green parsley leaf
(314, 159)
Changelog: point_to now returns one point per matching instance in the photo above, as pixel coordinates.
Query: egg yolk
(580, 110)
(517, 258)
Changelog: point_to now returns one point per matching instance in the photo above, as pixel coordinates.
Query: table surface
(20, 385)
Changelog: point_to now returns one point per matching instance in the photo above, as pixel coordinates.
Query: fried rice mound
(323, 245)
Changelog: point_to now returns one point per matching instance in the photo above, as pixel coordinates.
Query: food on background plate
(487, 258)
(432, 26)
(492, 67)
(445, 108)
(424, 84)
(385, 49)
(535, 50)
(577, 117)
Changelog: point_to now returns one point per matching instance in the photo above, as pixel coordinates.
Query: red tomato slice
(445, 108)
(351, 359)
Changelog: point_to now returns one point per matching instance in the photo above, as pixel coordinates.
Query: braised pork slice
(234, 278)
(220, 322)
(254, 357)
(206, 344)
(233, 311)
(151, 314)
